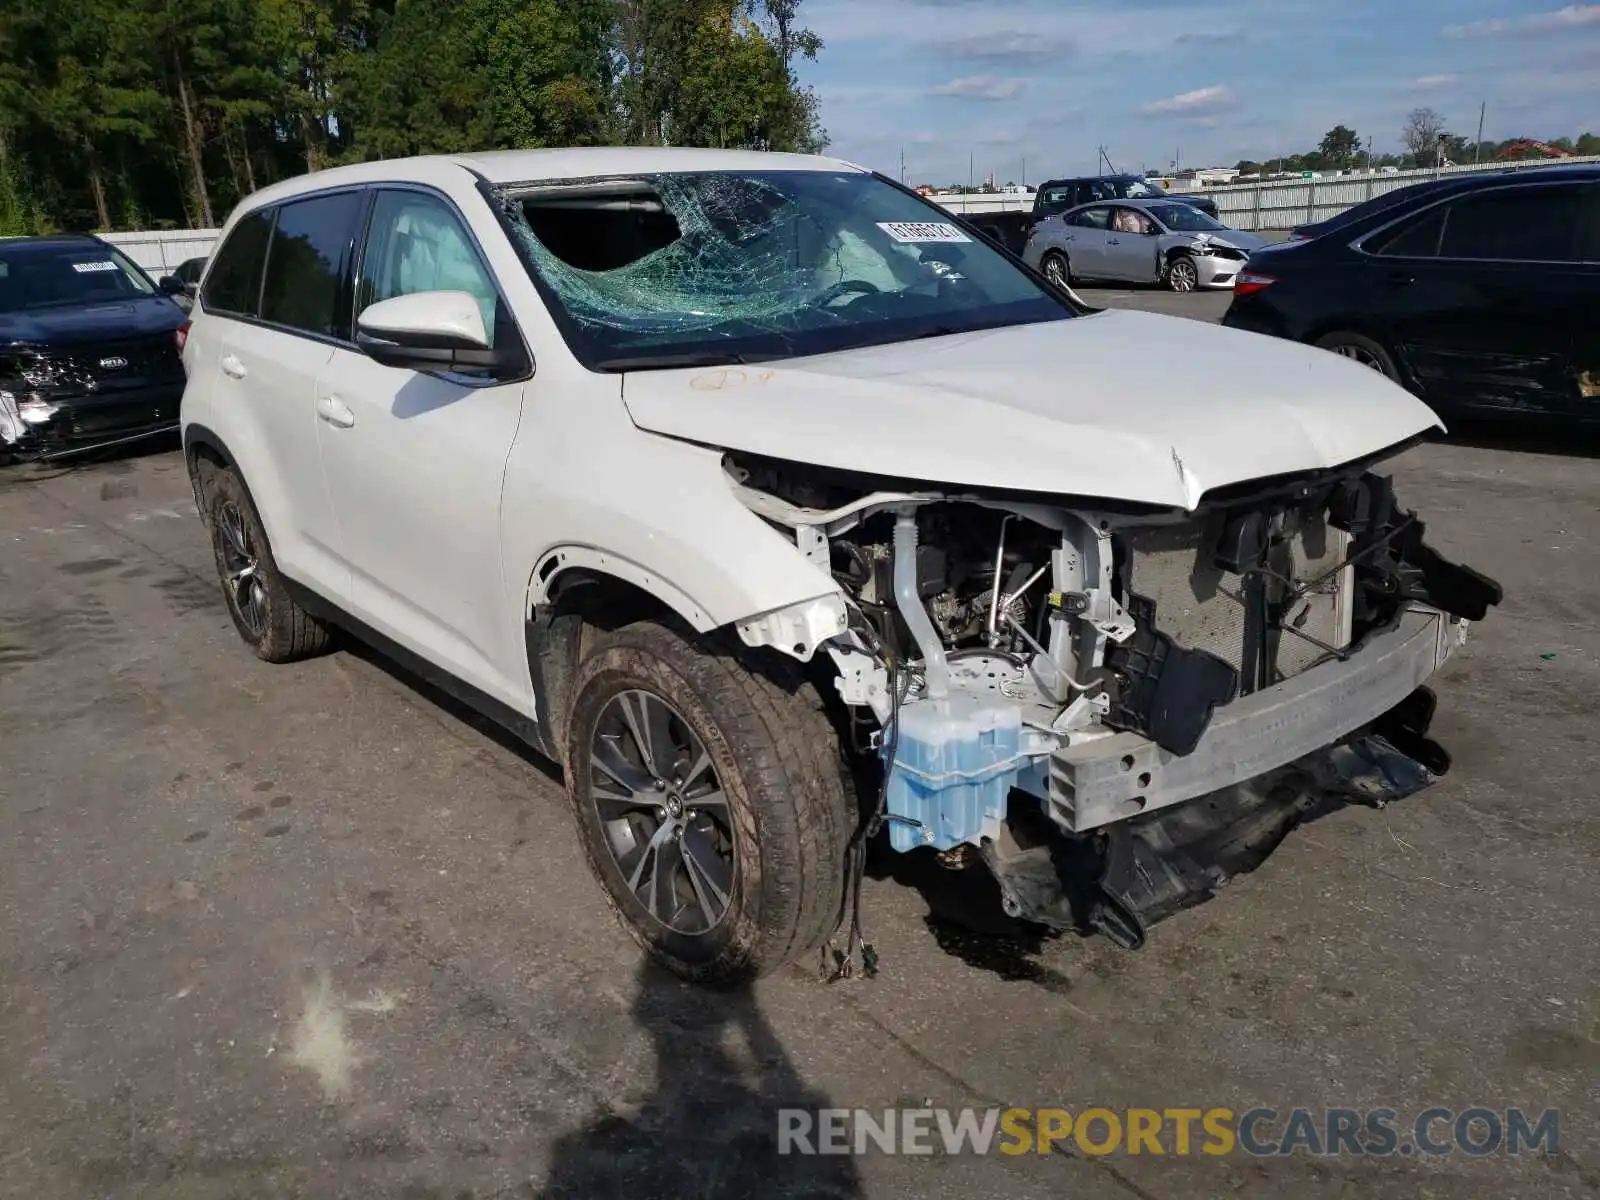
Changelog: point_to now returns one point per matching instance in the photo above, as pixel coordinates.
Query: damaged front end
(1115, 710)
(56, 401)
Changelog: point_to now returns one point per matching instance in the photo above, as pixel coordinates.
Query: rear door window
(1530, 224)
(235, 283)
(1417, 238)
(305, 284)
(1090, 218)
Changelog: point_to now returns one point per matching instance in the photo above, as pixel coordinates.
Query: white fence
(159, 251)
(1277, 204)
(1284, 203)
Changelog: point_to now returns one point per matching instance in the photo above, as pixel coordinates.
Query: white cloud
(1008, 46)
(1572, 16)
(1425, 83)
(1196, 103)
(980, 87)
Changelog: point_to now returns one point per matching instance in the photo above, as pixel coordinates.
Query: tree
(1339, 147)
(1247, 166)
(1421, 135)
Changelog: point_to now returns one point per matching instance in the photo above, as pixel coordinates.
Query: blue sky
(1049, 80)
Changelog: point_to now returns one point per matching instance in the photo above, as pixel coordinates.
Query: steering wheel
(846, 287)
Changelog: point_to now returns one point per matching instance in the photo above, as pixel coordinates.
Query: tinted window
(235, 282)
(1417, 238)
(416, 243)
(306, 262)
(1531, 224)
(1090, 218)
(1054, 199)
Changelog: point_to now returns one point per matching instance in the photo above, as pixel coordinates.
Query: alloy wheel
(662, 811)
(241, 566)
(1055, 270)
(1361, 355)
(1183, 275)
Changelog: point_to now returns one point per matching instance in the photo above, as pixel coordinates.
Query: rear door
(274, 301)
(415, 461)
(1488, 298)
(1084, 239)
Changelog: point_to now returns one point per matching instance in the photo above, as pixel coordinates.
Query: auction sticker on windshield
(923, 231)
(83, 268)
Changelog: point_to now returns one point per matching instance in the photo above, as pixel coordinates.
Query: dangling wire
(843, 966)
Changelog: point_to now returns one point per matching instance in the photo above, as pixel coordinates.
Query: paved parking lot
(309, 931)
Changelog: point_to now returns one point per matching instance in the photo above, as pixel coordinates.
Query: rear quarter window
(234, 286)
(1531, 224)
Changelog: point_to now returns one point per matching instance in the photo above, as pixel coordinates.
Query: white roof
(529, 166)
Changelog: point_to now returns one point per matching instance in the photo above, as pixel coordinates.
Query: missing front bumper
(1122, 776)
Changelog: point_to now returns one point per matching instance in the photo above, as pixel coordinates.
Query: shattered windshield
(685, 269)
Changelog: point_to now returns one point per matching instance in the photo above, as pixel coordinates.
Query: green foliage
(167, 112)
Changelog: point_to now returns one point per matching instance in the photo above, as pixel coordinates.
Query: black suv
(1479, 294)
(90, 348)
(1058, 195)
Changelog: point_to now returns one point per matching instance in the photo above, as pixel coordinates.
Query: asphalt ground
(313, 931)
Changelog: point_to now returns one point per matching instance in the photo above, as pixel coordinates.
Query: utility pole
(967, 199)
(1477, 147)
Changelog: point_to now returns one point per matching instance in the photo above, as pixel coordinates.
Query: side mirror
(171, 285)
(431, 332)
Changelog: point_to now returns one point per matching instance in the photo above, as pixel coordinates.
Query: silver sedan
(1139, 241)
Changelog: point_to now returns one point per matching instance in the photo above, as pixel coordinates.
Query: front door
(415, 461)
(1130, 253)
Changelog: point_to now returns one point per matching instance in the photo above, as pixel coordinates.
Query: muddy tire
(268, 620)
(711, 799)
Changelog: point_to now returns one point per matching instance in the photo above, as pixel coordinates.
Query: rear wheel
(1055, 267)
(273, 625)
(711, 800)
(1182, 274)
(1362, 349)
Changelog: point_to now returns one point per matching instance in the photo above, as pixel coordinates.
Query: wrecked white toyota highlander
(782, 512)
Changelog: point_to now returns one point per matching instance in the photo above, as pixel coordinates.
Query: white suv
(725, 479)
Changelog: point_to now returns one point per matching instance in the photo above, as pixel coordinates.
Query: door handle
(1401, 279)
(232, 367)
(335, 412)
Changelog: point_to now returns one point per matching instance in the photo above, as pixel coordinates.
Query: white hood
(1120, 405)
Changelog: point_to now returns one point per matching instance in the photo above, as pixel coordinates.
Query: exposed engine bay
(1050, 681)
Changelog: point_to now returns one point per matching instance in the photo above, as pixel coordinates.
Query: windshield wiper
(702, 358)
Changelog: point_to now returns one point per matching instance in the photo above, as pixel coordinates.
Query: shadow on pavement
(1568, 439)
(709, 1128)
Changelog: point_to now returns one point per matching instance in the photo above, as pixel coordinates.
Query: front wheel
(1182, 274)
(711, 800)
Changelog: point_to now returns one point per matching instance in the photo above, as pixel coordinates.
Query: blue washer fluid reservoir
(956, 761)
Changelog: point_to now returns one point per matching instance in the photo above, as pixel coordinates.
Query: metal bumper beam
(1113, 778)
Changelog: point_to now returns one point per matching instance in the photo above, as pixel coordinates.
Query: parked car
(1058, 195)
(184, 282)
(89, 348)
(811, 490)
(1479, 297)
(1139, 241)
